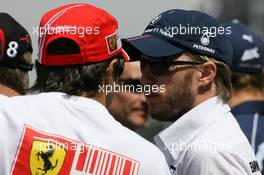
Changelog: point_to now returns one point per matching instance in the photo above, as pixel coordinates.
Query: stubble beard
(176, 102)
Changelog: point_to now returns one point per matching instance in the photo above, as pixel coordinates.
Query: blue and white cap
(248, 49)
(176, 31)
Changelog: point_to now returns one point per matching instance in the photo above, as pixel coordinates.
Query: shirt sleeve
(204, 162)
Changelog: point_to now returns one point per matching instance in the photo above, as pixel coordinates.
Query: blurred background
(133, 16)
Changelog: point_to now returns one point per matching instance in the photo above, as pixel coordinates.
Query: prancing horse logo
(46, 156)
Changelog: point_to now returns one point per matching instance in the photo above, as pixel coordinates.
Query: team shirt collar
(188, 126)
(249, 108)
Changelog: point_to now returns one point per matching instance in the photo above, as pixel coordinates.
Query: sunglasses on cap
(163, 66)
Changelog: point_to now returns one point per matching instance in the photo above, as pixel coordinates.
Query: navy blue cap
(248, 49)
(177, 31)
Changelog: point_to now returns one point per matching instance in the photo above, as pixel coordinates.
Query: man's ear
(208, 73)
(110, 72)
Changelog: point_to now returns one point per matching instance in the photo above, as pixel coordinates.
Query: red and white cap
(94, 30)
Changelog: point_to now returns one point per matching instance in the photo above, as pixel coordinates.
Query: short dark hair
(71, 79)
(245, 81)
(14, 79)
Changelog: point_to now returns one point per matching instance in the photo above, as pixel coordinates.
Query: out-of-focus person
(129, 106)
(15, 57)
(247, 100)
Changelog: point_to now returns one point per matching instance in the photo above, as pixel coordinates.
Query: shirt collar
(188, 126)
(249, 108)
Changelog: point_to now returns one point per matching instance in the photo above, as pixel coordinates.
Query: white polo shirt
(53, 133)
(207, 140)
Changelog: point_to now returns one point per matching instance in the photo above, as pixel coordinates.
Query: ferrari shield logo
(112, 43)
(41, 153)
(46, 158)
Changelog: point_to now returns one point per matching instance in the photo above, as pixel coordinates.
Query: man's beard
(177, 102)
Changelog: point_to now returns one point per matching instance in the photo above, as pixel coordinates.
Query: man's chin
(138, 120)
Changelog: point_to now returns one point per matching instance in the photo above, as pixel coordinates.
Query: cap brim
(149, 45)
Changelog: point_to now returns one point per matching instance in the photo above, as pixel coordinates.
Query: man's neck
(242, 96)
(7, 91)
(200, 98)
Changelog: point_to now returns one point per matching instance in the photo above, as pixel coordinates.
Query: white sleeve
(204, 162)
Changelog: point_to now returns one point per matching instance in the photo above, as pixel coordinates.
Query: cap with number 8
(14, 42)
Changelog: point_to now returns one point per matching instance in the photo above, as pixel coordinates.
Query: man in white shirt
(188, 52)
(15, 57)
(67, 129)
